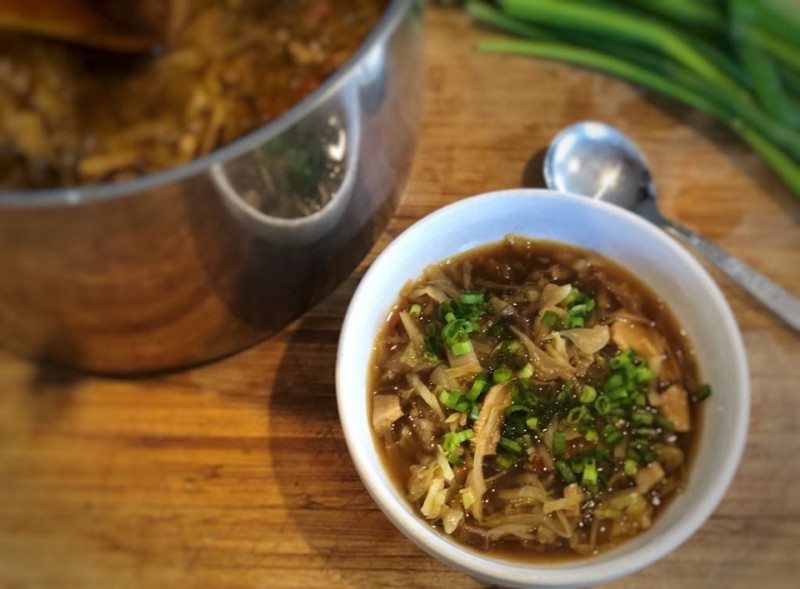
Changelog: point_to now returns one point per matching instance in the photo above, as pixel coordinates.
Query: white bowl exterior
(621, 236)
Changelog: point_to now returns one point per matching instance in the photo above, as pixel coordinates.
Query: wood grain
(236, 474)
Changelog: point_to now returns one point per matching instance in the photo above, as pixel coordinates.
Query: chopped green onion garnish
(576, 464)
(616, 394)
(510, 445)
(502, 375)
(474, 412)
(588, 394)
(526, 371)
(576, 415)
(704, 392)
(415, 310)
(471, 297)
(644, 375)
(665, 423)
(615, 381)
(565, 472)
(640, 450)
(591, 436)
(602, 405)
(461, 348)
(549, 318)
(642, 418)
(572, 322)
(559, 443)
(512, 346)
(455, 400)
(630, 467)
(602, 454)
(532, 423)
(611, 435)
(451, 442)
(505, 461)
(589, 472)
(514, 408)
(478, 386)
(646, 431)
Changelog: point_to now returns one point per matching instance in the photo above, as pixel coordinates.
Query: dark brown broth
(511, 262)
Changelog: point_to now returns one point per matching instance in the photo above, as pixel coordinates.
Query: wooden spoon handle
(75, 21)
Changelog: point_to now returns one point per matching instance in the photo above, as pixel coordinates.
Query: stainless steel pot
(188, 265)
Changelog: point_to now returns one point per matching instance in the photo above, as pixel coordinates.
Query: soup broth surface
(535, 399)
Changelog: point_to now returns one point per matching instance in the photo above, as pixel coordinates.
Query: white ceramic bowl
(636, 244)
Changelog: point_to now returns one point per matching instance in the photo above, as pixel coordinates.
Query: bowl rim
(571, 573)
(385, 26)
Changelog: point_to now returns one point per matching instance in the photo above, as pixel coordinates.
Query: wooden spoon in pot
(124, 27)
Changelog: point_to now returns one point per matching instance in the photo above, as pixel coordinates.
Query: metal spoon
(595, 160)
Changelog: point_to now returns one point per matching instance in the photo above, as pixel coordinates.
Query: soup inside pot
(72, 115)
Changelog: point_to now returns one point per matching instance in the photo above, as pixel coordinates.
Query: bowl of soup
(541, 389)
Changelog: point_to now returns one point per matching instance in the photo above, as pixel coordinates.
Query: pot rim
(393, 14)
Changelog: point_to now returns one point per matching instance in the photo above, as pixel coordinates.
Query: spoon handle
(775, 298)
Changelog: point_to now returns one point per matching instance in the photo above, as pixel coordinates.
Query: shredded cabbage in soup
(534, 397)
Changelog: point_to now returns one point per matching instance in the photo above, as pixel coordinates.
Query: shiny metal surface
(595, 160)
(191, 264)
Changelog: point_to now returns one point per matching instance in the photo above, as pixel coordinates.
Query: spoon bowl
(593, 159)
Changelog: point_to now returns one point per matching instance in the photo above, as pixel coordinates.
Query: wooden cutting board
(236, 474)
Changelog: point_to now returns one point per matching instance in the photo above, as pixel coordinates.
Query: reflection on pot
(293, 190)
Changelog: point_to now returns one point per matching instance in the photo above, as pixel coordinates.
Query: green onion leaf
(415, 310)
(611, 435)
(640, 450)
(589, 472)
(526, 371)
(514, 408)
(591, 436)
(565, 472)
(505, 461)
(532, 423)
(615, 381)
(455, 400)
(703, 393)
(573, 322)
(461, 348)
(559, 443)
(576, 415)
(510, 445)
(549, 318)
(642, 418)
(602, 405)
(644, 375)
(630, 467)
(469, 297)
(502, 375)
(665, 423)
(588, 394)
(478, 386)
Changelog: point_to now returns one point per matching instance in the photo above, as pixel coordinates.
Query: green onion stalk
(634, 46)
